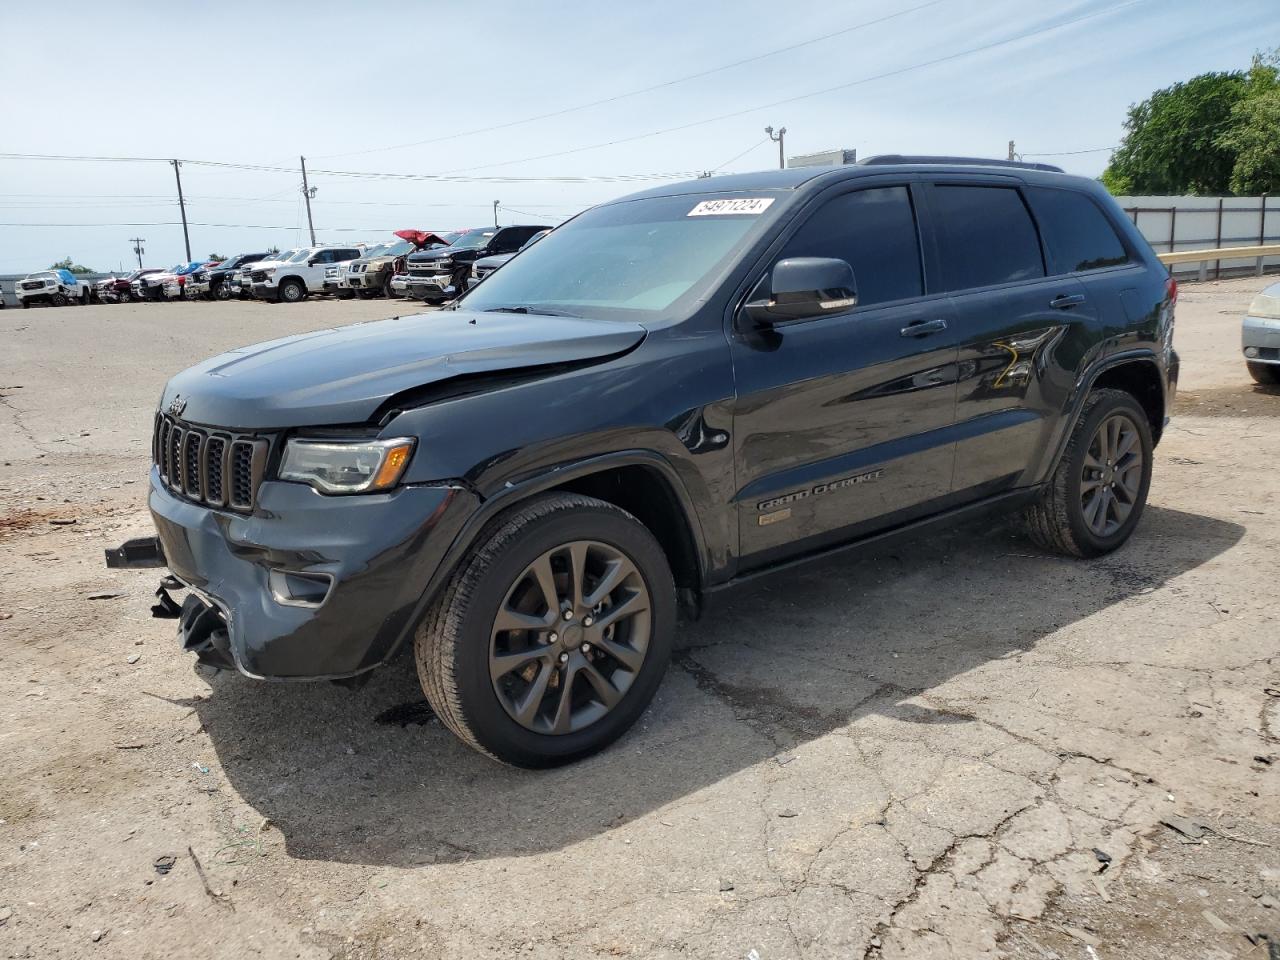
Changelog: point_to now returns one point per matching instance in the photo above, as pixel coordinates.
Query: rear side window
(987, 236)
(1077, 234)
(875, 232)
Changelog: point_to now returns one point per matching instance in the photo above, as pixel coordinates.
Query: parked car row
(418, 264)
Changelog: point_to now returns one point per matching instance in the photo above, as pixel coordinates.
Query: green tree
(1253, 136)
(216, 256)
(1171, 142)
(1213, 134)
(66, 264)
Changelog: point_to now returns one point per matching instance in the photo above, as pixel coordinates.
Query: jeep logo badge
(176, 406)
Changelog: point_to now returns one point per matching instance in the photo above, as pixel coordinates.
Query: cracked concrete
(953, 748)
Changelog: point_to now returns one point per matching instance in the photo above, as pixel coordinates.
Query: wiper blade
(521, 308)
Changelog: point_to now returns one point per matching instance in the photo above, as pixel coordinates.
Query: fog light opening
(295, 589)
(1251, 352)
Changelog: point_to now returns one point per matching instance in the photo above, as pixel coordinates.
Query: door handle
(922, 328)
(1066, 301)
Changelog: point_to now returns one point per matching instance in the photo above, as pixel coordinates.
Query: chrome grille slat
(220, 469)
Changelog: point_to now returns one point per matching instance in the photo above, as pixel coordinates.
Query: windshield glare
(472, 239)
(638, 259)
(299, 256)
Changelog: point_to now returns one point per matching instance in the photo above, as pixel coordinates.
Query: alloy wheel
(1111, 479)
(570, 637)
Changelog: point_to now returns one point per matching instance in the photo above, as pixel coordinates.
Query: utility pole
(782, 132)
(137, 248)
(186, 237)
(1012, 155)
(308, 192)
(495, 212)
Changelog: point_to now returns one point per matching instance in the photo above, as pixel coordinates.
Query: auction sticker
(718, 208)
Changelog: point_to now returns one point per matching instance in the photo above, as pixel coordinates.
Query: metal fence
(1173, 224)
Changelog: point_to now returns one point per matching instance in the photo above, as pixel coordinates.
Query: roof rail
(889, 158)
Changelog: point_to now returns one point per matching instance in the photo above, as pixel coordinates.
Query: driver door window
(874, 231)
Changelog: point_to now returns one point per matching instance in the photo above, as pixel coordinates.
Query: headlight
(1266, 304)
(268, 270)
(340, 466)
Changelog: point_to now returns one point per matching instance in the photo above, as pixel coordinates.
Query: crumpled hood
(343, 375)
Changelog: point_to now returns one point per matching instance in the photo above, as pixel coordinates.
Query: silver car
(1261, 336)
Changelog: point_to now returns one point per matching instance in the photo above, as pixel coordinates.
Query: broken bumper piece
(136, 554)
(202, 630)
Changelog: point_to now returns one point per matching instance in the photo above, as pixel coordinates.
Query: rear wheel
(553, 635)
(1097, 494)
(1265, 373)
(292, 291)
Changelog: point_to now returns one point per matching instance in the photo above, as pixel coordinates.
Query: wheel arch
(1137, 373)
(1138, 376)
(642, 482)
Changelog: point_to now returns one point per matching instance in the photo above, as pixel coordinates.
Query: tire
(126, 296)
(362, 294)
(1067, 519)
(85, 298)
(58, 300)
(459, 640)
(26, 304)
(1265, 373)
(386, 288)
(292, 291)
(223, 292)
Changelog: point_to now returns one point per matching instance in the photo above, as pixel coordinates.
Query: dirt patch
(16, 522)
(1244, 400)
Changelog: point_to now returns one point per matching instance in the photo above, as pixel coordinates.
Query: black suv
(215, 282)
(670, 393)
(433, 272)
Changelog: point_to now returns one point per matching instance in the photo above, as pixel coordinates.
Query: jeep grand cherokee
(670, 393)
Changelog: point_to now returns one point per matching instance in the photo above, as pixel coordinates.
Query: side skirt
(1000, 503)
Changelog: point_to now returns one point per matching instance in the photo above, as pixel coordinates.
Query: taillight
(1171, 291)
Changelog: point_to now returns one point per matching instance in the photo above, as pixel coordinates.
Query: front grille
(258, 276)
(218, 468)
(33, 285)
(427, 269)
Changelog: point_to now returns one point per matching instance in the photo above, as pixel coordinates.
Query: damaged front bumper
(306, 587)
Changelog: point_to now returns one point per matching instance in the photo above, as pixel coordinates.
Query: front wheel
(553, 634)
(58, 300)
(292, 291)
(1099, 489)
(222, 292)
(1265, 373)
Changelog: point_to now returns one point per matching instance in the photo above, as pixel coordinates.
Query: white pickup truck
(293, 279)
(54, 287)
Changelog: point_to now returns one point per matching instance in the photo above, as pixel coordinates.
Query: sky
(502, 100)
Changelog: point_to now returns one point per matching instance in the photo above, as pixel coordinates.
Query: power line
(448, 177)
(193, 223)
(1065, 153)
(982, 48)
(634, 93)
(758, 143)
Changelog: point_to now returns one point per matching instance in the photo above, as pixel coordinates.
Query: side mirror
(805, 287)
(313, 261)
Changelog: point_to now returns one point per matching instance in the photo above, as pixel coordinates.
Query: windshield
(631, 260)
(299, 256)
(471, 240)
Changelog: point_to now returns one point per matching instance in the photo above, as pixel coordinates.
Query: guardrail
(1218, 254)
